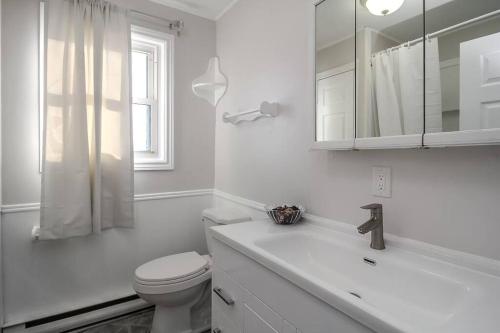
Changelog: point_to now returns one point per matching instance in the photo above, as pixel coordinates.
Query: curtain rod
(447, 30)
(174, 25)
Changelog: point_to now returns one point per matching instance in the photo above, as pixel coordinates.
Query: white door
(480, 83)
(335, 107)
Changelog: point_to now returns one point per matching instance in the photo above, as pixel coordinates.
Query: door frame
(346, 144)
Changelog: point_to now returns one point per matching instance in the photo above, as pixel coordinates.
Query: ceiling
(342, 13)
(403, 25)
(211, 9)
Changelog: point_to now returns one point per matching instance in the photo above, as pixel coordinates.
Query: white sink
(407, 290)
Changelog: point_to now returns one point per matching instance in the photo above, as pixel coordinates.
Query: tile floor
(135, 323)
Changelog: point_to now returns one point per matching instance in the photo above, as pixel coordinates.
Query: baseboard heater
(89, 316)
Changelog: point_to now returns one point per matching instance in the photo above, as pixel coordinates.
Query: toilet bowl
(175, 283)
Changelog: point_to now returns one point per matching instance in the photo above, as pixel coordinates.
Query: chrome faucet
(375, 225)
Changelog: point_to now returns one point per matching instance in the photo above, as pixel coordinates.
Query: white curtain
(398, 85)
(87, 176)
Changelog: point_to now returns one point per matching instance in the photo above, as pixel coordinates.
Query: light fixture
(382, 7)
(212, 85)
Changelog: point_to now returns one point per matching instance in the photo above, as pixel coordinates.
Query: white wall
(194, 118)
(45, 278)
(51, 277)
(447, 197)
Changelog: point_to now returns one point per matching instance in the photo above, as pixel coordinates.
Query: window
(152, 97)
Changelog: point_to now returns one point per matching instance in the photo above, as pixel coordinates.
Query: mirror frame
(347, 144)
(423, 140)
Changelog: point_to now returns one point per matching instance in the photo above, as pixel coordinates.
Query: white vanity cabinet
(249, 298)
(235, 309)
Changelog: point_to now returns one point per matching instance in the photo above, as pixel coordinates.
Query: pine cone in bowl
(285, 214)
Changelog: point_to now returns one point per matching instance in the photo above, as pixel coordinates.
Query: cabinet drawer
(227, 297)
(221, 323)
(257, 314)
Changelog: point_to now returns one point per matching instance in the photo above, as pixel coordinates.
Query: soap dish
(285, 214)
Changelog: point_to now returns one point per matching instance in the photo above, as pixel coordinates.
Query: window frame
(162, 109)
(151, 100)
(161, 102)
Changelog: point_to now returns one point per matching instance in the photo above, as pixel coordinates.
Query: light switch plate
(381, 182)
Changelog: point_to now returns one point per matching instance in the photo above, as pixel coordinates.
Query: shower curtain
(87, 166)
(398, 90)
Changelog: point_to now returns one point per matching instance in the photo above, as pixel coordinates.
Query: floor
(135, 323)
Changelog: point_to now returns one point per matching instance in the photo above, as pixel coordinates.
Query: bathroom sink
(405, 289)
(408, 287)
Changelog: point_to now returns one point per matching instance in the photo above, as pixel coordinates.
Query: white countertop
(415, 287)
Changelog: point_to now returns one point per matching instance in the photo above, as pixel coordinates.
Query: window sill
(153, 167)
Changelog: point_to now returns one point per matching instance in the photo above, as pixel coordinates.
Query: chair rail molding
(240, 200)
(30, 207)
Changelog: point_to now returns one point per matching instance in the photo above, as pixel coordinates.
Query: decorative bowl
(285, 214)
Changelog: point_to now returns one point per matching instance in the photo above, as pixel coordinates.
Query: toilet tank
(221, 216)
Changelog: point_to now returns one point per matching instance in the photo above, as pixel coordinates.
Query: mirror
(382, 75)
(335, 72)
(390, 68)
(463, 65)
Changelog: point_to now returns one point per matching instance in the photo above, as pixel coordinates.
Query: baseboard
(79, 320)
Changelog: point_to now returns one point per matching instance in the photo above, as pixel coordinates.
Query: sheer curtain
(87, 170)
(398, 89)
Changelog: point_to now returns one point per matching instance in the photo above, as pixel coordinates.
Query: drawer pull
(217, 330)
(223, 296)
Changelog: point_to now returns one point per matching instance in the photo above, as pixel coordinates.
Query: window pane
(139, 75)
(141, 117)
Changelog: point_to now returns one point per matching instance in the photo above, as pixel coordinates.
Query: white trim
(453, 62)
(194, 9)
(31, 207)
(20, 208)
(240, 200)
(164, 158)
(184, 8)
(464, 259)
(42, 68)
(389, 142)
(343, 39)
(334, 42)
(335, 71)
(383, 34)
(79, 320)
(226, 9)
(333, 145)
(463, 138)
(1, 163)
(172, 195)
(347, 144)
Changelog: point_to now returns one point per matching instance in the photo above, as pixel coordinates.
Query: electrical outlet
(381, 182)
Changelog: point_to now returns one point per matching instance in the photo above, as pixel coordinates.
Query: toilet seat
(172, 273)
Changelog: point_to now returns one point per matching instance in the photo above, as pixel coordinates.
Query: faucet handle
(373, 206)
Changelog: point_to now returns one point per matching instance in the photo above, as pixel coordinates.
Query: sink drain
(355, 294)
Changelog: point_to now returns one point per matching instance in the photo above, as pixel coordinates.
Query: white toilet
(174, 284)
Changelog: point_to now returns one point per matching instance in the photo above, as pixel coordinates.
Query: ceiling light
(382, 7)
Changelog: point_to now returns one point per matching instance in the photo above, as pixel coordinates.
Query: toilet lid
(174, 267)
